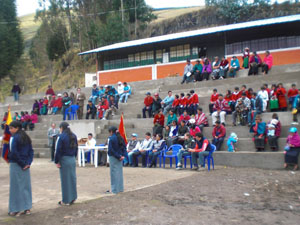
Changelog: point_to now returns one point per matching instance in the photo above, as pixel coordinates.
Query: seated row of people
(27, 120)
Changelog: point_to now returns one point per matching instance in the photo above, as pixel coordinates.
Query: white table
(83, 149)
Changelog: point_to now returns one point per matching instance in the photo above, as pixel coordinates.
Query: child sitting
(272, 128)
(231, 142)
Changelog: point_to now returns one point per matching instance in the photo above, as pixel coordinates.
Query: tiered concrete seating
(246, 157)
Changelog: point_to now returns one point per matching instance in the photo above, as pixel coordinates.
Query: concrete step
(263, 160)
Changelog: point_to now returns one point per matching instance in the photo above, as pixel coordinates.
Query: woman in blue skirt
(116, 152)
(20, 159)
(66, 151)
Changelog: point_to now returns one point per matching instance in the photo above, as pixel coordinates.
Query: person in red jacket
(213, 99)
(194, 103)
(292, 93)
(280, 93)
(184, 117)
(102, 107)
(182, 103)
(221, 108)
(189, 103)
(148, 101)
(175, 104)
(158, 122)
(57, 105)
(219, 133)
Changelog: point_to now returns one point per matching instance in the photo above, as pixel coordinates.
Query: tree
(11, 40)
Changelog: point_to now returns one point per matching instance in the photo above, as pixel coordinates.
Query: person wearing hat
(234, 66)
(132, 146)
(57, 104)
(197, 71)
(65, 160)
(148, 101)
(156, 106)
(126, 93)
(95, 94)
(246, 55)
(292, 149)
(188, 72)
(116, 152)
(231, 142)
(120, 88)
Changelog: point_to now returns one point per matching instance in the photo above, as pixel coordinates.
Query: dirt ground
(222, 196)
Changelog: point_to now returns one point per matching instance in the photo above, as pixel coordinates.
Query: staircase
(245, 157)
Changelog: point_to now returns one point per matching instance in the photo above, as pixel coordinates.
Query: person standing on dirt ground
(116, 152)
(52, 136)
(80, 97)
(66, 151)
(20, 158)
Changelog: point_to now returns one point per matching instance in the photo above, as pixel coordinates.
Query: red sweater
(228, 98)
(148, 101)
(58, 103)
(235, 96)
(159, 119)
(183, 101)
(189, 101)
(175, 102)
(195, 99)
(220, 130)
(292, 92)
(214, 97)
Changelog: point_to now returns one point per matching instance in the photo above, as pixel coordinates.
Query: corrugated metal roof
(199, 32)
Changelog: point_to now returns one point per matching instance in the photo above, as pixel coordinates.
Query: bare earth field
(163, 196)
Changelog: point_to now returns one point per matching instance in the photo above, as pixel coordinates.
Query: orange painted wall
(130, 75)
(170, 69)
(164, 70)
(280, 58)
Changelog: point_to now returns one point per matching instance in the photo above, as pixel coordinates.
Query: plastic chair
(185, 159)
(175, 149)
(160, 157)
(210, 158)
(73, 112)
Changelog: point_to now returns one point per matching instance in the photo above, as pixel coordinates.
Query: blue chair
(185, 159)
(160, 157)
(210, 158)
(175, 149)
(73, 112)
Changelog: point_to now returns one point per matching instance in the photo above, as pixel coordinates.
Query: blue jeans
(16, 96)
(181, 154)
(125, 97)
(250, 121)
(200, 156)
(218, 142)
(232, 72)
(93, 98)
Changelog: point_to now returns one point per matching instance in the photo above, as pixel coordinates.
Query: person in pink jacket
(267, 63)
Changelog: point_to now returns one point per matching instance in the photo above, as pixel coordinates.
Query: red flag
(122, 129)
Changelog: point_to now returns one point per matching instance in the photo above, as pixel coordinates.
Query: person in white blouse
(91, 142)
(263, 94)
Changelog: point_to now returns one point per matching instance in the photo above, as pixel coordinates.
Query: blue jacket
(95, 92)
(19, 153)
(296, 102)
(258, 105)
(63, 147)
(114, 149)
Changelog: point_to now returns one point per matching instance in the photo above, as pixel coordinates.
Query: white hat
(192, 121)
(119, 82)
(105, 86)
(59, 95)
(233, 135)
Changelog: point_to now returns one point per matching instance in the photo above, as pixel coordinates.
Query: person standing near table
(116, 152)
(52, 136)
(65, 153)
(80, 97)
(20, 158)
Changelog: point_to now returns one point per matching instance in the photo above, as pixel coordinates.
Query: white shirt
(264, 95)
(146, 144)
(120, 89)
(91, 143)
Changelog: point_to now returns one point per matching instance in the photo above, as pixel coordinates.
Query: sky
(25, 7)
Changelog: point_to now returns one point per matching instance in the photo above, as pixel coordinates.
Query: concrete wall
(280, 57)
